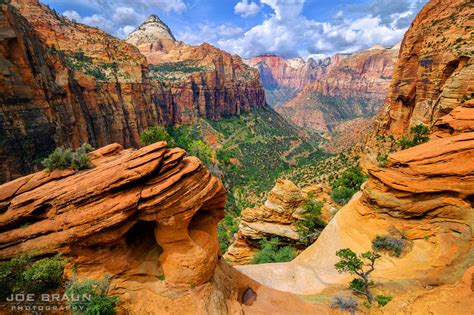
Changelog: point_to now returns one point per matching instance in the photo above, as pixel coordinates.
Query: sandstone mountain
(139, 216)
(434, 73)
(346, 97)
(423, 195)
(284, 78)
(66, 83)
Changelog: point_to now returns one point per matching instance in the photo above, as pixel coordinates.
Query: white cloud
(289, 33)
(127, 16)
(246, 9)
(208, 32)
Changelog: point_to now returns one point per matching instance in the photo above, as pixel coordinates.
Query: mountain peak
(151, 31)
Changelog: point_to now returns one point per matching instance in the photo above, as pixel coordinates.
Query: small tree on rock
(360, 265)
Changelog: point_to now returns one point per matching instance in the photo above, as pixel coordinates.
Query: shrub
(156, 134)
(271, 252)
(201, 150)
(360, 265)
(348, 184)
(418, 134)
(345, 303)
(98, 303)
(388, 243)
(20, 274)
(62, 159)
(383, 300)
(309, 226)
(43, 275)
(11, 272)
(382, 160)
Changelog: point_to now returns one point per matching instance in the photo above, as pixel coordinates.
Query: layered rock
(53, 95)
(64, 83)
(275, 218)
(354, 87)
(435, 68)
(424, 194)
(283, 78)
(202, 80)
(137, 215)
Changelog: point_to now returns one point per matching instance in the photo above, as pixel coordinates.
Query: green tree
(348, 184)
(156, 134)
(310, 225)
(418, 134)
(360, 265)
(201, 150)
(270, 252)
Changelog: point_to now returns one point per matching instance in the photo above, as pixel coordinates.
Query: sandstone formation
(354, 87)
(283, 78)
(64, 83)
(136, 215)
(276, 218)
(425, 193)
(435, 68)
(201, 80)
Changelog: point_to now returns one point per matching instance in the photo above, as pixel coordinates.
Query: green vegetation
(174, 70)
(201, 150)
(271, 252)
(360, 265)
(348, 184)
(311, 223)
(97, 303)
(160, 277)
(382, 160)
(383, 300)
(225, 230)
(23, 275)
(466, 98)
(156, 134)
(388, 243)
(418, 134)
(62, 159)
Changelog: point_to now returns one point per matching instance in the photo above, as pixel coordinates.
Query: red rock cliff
(64, 84)
(435, 70)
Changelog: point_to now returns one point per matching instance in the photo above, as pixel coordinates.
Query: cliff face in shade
(282, 78)
(201, 80)
(65, 83)
(127, 217)
(435, 71)
(424, 195)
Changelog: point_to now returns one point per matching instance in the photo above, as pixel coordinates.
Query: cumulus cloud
(289, 33)
(208, 32)
(122, 21)
(246, 9)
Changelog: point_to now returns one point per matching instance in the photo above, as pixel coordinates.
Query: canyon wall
(435, 71)
(283, 78)
(64, 83)
(423, 195)
(354, 87)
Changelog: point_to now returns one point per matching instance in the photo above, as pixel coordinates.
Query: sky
(289, 28)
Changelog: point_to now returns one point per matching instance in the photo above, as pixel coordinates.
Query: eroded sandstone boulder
(275, 218)
(147, 218)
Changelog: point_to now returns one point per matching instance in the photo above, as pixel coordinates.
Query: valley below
(153, 176)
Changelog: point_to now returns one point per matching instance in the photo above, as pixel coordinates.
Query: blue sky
(291, 28)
